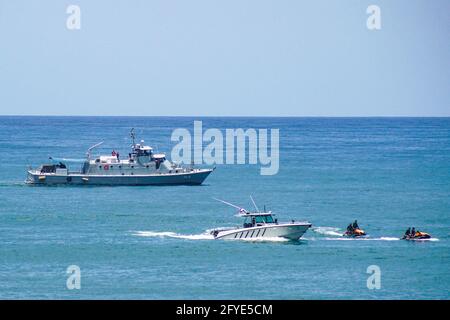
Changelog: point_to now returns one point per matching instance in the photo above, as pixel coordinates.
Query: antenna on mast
(256, 207)
(241, 210)
(133, 136)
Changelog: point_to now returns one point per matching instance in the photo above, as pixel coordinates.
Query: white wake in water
(431, 239)
(368, 238)
(387, 239)
(203, 236)
(328, 231)
(336, 234)
(342, 238)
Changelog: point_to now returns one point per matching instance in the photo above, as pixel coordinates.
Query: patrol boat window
(51, 168)
(48, 168)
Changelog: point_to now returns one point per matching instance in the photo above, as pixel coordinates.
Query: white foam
(328, 231)
(203, 236)
(389, 239)
(362, 239)
(337, 235)
(430, 239)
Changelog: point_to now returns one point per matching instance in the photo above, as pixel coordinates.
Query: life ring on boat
(106, 167)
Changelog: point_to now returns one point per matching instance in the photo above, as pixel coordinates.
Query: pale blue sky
(227, 57)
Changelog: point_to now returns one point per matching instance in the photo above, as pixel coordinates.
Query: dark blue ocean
(150, 242)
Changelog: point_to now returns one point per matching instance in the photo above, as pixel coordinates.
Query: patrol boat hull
(35, 177)
(290, 231)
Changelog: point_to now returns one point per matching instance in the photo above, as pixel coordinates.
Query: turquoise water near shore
(151, 242)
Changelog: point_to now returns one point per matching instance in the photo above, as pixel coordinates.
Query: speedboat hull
(290, 231)
(183, 178)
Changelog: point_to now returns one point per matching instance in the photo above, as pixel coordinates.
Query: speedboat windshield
(263, 219)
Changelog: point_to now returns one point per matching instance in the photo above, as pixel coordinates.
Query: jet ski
(419, 235)
(354, 233)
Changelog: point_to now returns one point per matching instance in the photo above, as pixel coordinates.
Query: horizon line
(229, 116)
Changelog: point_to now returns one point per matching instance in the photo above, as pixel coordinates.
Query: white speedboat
(260, 225)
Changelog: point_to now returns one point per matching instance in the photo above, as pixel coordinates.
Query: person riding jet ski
(408, 232)
(353, 230)
(412, 234)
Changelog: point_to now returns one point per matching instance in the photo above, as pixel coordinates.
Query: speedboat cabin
(259, 219)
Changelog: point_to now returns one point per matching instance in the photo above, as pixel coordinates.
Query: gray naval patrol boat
(142, 167)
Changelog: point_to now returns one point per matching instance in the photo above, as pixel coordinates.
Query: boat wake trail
(329, 234)
(203, 236)
(336, 234)
(424, 240)
(13, 184)
(327, 231)
(362, 239)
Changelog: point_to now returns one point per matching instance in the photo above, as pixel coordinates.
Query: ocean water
(151, 242)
